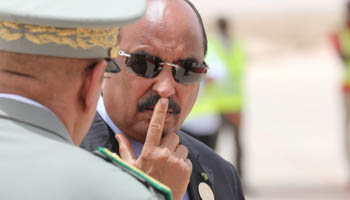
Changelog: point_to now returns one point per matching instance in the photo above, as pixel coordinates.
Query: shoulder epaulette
(141, 176)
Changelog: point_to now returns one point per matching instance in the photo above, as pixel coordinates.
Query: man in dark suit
(161, 60)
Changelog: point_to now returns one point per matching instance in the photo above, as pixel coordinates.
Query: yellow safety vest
(222, 95)
(344, 41)
(229, 90)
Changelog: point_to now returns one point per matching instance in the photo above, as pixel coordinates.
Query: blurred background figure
(204, 121)
(341, 43)
(228, 49)
(293, 121)
(220, 100)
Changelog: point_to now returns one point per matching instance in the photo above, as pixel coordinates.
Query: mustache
(152, 101)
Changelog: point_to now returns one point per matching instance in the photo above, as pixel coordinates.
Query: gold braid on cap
(84, 38)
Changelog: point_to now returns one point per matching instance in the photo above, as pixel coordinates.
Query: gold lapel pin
(205, 191)
(204, 176)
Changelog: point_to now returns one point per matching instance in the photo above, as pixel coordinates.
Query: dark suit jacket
(223, 178)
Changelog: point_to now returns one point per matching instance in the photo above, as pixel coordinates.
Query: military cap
(65, 28)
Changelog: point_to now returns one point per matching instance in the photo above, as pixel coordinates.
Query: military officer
(53, 55)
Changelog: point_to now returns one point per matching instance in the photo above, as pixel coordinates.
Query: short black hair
(205, 39)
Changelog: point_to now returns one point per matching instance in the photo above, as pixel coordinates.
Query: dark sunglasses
(149, 66)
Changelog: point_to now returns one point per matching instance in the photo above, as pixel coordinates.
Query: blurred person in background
(204, 121)
(341, 43)
(221, 93)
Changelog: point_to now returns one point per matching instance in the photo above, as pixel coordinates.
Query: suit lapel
(112, 142)
(100, 135)
(195, 178)
(199, 172)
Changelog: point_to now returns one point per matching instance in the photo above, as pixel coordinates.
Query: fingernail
(163, 101)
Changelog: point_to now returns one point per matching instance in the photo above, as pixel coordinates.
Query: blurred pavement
(293, 123)
(293, 128)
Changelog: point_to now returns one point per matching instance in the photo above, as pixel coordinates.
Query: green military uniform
(37, 157)
(39, 161)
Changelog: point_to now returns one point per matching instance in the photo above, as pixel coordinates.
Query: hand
(163, 159)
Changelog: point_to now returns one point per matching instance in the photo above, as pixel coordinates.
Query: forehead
(170, 30)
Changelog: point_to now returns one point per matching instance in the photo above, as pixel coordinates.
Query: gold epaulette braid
(84, 38)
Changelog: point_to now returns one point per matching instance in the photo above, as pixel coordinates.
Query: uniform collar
(22, 99)
(24, 110)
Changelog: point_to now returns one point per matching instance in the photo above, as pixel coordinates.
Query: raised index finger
(155, 129)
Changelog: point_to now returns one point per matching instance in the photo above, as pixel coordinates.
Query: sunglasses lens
(189, 73)
(142, 65)
(150, 66)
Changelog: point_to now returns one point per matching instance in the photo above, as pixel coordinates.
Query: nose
(164, 83)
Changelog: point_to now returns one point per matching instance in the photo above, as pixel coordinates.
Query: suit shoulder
(201, 149)
(223, 175)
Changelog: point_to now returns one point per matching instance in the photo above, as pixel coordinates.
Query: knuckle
(122, 148)
(177, 138)
(188, 165)
(155, 127)
(165, 153)
(144, 162)
(188, 169)
(183, 148)
(183, 167)
(175, 162)
(182, 151)
(161, 111)
(146, 155)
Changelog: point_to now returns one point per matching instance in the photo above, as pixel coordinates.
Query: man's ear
(91, 89)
